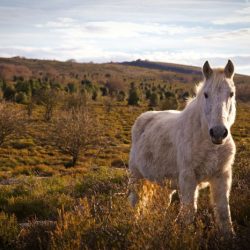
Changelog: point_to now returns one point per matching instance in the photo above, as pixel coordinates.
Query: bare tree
(75, 101)
(49, 99)
(74, 132)
(12, 122)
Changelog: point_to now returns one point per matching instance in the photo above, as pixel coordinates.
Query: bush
(133, 98)
(9, 93)
(75, 101)
(121, 96)
(49, 99)
(74, 132)
(24, 87)
(41, 206)
(103, 181)
(94, 95)
(104, 91)
(21, 97)
(148, 93)
(12, 122)
(9, 231)
(114, 86)
(169, 103)
(71, 88)
(96, 227)
(153, 100)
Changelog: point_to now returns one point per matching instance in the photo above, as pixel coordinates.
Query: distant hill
(69, 71)
(178, 68)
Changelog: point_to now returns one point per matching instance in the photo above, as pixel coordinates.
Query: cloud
(240, 35)
(176, 31)
(111, 29)
(61, 22)
(239, 16)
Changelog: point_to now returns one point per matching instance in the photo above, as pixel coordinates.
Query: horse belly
(153, 151)
(157, 162)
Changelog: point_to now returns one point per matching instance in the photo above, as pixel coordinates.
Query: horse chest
(207, 164)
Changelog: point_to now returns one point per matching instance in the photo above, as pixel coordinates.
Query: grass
(88, 204)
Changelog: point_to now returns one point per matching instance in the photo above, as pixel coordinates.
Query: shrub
(35, 234)
(21, 97)
(114, 86)
(74, 132)
(9, 231)
(71, 88)
(104, 91)
(148, 93)
(23, 86)
(9, 93)
(94, 95)
(169, 103)
(49, 99)
(75, 101)
(12, 122)
(103, 181)
(96, 227)
(121, 96)
(153, 100)
(133, 97)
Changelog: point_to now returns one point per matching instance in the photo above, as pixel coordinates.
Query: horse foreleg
(188, 197)
(220, 189)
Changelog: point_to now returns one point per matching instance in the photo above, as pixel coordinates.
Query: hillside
(140, 72)
(72, 70)
(177, 68)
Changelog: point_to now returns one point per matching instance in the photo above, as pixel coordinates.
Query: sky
(186, 32)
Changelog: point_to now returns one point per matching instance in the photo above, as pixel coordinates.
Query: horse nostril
(211, 132)
(225, 133)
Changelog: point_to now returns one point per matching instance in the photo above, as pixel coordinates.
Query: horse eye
(231, 94)
(206, 95)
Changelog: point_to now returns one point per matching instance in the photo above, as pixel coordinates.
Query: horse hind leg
(134, 187)
(154, 197)
(145, 194)
(140, 193)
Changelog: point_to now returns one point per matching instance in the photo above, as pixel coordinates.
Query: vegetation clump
(133, 97)
(74, 131)
(12, 122)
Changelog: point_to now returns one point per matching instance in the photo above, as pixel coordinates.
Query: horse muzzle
(218, 134)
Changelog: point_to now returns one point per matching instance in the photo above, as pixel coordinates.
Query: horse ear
(229, 69)
(207, 71)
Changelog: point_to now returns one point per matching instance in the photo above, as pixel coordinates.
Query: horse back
(148, 119)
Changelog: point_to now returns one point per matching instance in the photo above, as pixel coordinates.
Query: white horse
(190, 147)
